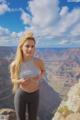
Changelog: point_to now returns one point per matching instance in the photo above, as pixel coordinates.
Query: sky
(55, 23)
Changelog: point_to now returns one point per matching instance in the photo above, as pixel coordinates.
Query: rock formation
(70, 108)
(7, 114)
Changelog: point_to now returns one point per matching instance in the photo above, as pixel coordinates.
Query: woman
(26, 73)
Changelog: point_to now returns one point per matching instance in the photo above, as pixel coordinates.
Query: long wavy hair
(15, 65)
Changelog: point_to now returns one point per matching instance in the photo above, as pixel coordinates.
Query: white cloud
(2, 1)
(73, 0)
(8, 38)
(64, 42)
(25, 17)
(4, 8)
(64, 11)
(4, 31)
(15, 9)
(48, 21)
(44, 12)
(66, 23)
(46, 17)
(76, 30)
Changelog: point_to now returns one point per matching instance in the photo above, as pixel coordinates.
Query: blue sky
(55, 23)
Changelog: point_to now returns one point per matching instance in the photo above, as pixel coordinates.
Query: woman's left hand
(26, 82)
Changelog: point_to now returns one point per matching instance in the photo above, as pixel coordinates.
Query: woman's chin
(29, 56)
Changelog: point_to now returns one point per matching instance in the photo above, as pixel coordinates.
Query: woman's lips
(28, 52)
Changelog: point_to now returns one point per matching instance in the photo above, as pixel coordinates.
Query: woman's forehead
(30, 42)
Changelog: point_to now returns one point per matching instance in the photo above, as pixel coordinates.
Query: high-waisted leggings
(23, 99)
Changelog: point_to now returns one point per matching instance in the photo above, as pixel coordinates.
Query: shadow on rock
(49, 101)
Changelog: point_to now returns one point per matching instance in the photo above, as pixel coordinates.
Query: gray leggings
(21, 99)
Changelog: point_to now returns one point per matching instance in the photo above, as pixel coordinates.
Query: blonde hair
(15, 65)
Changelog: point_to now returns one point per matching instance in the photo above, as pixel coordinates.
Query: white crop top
(28, 69)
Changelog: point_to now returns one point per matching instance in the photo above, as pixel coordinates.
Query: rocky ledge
(70, 108)
(7, 114)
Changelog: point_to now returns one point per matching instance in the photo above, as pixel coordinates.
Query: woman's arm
(17, 81)
(14, 79)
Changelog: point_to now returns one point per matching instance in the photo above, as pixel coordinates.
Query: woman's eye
(32, 46)
(27, 46)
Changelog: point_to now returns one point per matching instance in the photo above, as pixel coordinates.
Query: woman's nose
(30, 48)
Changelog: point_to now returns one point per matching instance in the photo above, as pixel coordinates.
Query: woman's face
(28, 48)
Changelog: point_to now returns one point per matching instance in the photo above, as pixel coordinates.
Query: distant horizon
(45, 47)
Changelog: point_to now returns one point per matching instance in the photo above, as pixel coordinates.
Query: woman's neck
(27, 58)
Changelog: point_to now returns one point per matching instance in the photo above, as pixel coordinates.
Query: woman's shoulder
(38, 59)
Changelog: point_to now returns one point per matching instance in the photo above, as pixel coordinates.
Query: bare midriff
(31, 87)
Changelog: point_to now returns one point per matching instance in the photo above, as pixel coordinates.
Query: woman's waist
(30, 88)
(31, 83)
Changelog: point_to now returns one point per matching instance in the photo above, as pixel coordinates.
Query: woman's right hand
(24, 82)
(21, 81)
